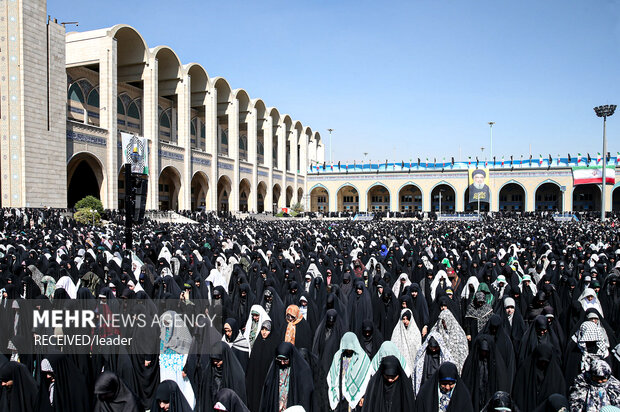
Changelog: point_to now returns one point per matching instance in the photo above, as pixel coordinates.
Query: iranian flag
(584, 175)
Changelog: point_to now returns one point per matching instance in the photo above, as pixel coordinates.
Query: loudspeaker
(141, 189)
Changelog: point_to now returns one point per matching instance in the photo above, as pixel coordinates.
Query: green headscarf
(356, 377)
(388, 348)
(487, 293)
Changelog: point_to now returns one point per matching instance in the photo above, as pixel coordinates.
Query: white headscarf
(216, 278)
(440, 275)
(262, 316)
(67, 284)
(471, 281)
(594, 303)
(396, 287)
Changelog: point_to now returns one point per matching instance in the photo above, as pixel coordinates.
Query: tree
(87, 216)
(89, 210)
(90, 202)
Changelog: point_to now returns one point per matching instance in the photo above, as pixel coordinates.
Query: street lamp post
(493, 159)
(330, 145)
(604, 112)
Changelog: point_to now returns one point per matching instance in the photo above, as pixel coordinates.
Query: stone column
(108, 90)
(150, 120)
(394, 201)
(253, 158)
(333, 200)
(530, 197)
(281, 136)
(268, 141)
(211, 145)
(294, 140)
(233, 152)
(363, 200)
(459, 205)
(303, 167)
(303, 154)
(184, 139)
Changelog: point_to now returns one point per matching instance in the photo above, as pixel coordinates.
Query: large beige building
(523, 187)
(65, 99)
(70, 97)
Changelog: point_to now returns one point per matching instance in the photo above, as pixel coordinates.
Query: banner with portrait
(479, 185)
(136, 152)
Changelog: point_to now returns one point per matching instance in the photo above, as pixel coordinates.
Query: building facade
(530, 186)
(210, 146)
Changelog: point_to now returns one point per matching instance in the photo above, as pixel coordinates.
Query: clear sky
(402, 79)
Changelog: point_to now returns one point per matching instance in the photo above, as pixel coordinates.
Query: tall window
(93, 107)
(75, 103)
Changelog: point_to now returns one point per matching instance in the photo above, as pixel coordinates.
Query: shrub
(87, 216)
(90, 202)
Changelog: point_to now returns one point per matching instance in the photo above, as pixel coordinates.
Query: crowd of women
(512, 313)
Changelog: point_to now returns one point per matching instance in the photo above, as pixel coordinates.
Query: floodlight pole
(604, 112)
(604, 169)
(493, 159)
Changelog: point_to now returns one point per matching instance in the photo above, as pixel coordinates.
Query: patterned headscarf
(482, 314)
(444, 356)
(291, 328)
(600, 368)
(357, 375)
(174, 334)
(591, 332)
(589, 396)
(454, 337)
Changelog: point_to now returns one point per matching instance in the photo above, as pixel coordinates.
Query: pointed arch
(448, 201)
(348, 196)
(548, 195)
(514, 203)
(199, 190)
(169, 186)
(409, 201)
(86, 175)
